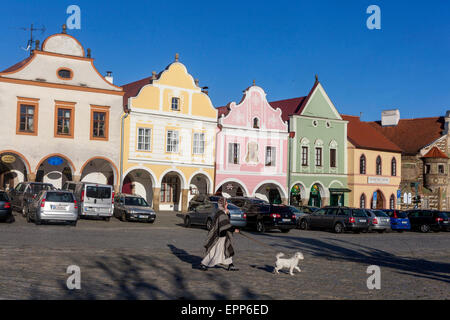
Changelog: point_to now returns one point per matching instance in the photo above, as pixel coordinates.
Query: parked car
(307, 209)
(245, 201)
(298, 214)
(6, 214)
(399, 220)
(94, 199)
(379, 220)
(338, 219)
(203, 209)
(25, 192)
(129, 207)
(427, 220)
(53, 205)
(264, 216)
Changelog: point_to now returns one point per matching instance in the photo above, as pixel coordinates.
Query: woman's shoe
(231, 267)
(203, 267)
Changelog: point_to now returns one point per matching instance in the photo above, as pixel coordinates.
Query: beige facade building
(60, 117)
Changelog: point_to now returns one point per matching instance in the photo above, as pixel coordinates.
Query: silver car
(379, 221)
(133, 208)
(53, 206)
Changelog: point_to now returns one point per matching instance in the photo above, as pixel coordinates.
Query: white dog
(291, 263)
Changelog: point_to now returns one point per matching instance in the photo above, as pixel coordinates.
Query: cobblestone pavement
(158, 261)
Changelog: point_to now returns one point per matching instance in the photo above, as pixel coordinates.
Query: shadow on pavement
(414, 266)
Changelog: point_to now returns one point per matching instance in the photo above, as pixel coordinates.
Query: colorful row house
(251, 155)
(374, 169)
(60, 117)
(317, 158)
(169, 138)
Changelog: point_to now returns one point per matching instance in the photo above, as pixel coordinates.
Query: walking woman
(219, 249)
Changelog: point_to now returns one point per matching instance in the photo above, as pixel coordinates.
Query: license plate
(143, 217)
(58, 207)
(235, 215)
(286, 220)
(404, 222)
(445, 221)
(362, 220)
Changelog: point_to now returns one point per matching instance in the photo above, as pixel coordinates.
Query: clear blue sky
(280, 44)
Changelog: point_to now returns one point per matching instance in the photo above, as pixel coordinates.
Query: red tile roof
(18, 65)
(435, 153)
(363, 135)
(132, 89)
(288, 107)
(411, 135)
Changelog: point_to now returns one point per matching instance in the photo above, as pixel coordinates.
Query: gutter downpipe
(121, 148)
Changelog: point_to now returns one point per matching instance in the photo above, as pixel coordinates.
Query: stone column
(184, 200)
(156, 197)
(76, 178)
(284, 201)
(31, 177)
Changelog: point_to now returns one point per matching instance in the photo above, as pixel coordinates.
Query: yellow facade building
(169, 128)
(374, 167)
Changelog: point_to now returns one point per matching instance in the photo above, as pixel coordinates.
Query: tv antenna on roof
(31, 40)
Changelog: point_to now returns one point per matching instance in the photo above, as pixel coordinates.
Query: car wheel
(304, 224)
(260, 226)
(124, 217)
(285, 230)
(28, 217)
(37, 221)
(338, 228)
(10, 219)
(399, 231)
(107, 218)
(425, 228)
(208, 224)
(187, 222)
(73, 223)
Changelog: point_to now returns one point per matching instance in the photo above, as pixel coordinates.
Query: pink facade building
(252, 147)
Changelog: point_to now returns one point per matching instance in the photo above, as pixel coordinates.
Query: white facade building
(60, 118)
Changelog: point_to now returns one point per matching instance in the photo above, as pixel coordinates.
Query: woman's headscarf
(221, 203)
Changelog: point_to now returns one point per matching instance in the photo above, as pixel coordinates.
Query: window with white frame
(144, 138)
(305, 156)
(175, 104)
(172, 141)
(199, 143)
(233, 153)
(318, 157)
(270, 156)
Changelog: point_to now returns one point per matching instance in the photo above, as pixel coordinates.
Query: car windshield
(59, 197)
(443, 215)
(36, 188)
(3, 196)
(379, 213)
(280, 209)
(135, 201)
(294, 210)
(98, 192)
(359, 213)
(401, 214)
(231, 206)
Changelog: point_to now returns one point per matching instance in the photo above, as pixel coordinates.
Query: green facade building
(317, 160)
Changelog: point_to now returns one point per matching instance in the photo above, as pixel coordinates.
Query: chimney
(88, 52)
(205, 90)
(109, 77)
(390, 117)
(447, 122)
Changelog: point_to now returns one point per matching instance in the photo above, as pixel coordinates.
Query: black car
(307, 209)
(338, 219)
(5, 208)
(25, 192)
(241, 202)
(264, 216)
(427, 220)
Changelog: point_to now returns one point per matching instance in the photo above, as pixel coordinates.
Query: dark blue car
(399, 220)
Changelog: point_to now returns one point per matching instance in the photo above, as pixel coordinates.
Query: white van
(95, 200)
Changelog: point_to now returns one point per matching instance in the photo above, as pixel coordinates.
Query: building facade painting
(317, 158)
(251, 156)
(60, 117)
(170, 128)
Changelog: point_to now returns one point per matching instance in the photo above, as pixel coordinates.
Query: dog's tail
(279, 255)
